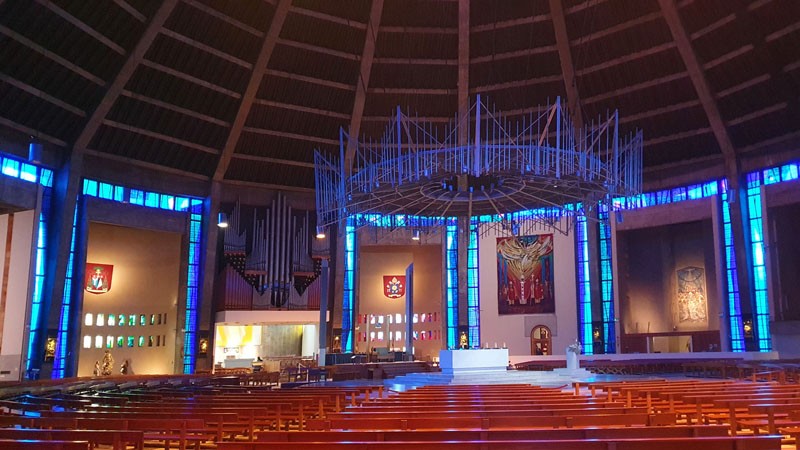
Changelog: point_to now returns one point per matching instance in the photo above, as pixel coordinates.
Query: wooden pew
(694, 443)
(7, 444)
(491, 435)
(117, 439)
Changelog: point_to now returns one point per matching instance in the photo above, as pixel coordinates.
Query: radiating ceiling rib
(206, 48)
(628, 118)
(516, 84)
(177, 109)
(286, 134)
(386, 119)
(160, 136)
(31, 132)
(514, 54)
(266, 159)
(131, 10)
(82, 26)
(791, 66)
(759, 113)
(42, 95)
(635, 87)
(306, 109)
(116, 87)
(224, 17)
(416, 61)
(190, 78)
(328, 17)
(50, 55)
(418, 30)
(567, 68)
(405, 91)
(585, 5)
(728, 56)
(713, 26)
(781, 141)
(782, 32)
(627, 58)
(676, 136)
(256, 76)
(615, 29)
(741, 86)
(312, 80)
(318, 49)
(703, 90)
(281, 187)
(509, 23)
(362, 83)
(144, 164)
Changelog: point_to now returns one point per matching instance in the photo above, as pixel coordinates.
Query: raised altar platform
(479, 360)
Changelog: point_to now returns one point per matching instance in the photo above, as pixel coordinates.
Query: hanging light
(320, 232)
(415, 235)
(35, 151)
(222, 220)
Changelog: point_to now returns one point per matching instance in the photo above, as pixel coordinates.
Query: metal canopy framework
(539, 164)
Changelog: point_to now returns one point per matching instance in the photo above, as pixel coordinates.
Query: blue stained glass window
(137, 197)
(473, 294)
(607, 281)
(759, 270)
(39, 276)
(584, 286)
(734, 304)
(10, 167)
(349, 287)
(60, 359)
(451, 249)
(789, 172)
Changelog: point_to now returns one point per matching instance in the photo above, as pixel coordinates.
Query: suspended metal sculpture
(514, 174)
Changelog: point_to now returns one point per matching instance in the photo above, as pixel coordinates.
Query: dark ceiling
(243, 91)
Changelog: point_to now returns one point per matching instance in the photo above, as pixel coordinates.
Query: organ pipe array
(279, 254)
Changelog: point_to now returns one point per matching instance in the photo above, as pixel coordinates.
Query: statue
(573, 351)
(108, 364)
(463, 341)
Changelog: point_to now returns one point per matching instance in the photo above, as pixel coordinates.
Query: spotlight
(415, 235)
(222, 220)
(35, 152)
(320, 232)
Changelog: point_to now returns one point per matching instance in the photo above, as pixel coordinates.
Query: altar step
(535, 378)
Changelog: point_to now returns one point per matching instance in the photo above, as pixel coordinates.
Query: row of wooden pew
(597, 416)
(640, 414)
(174, 411)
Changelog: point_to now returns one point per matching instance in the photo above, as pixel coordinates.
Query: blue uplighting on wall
(451, 280)
(473, 292)
(584, 285)
(348, 298)
(755, 225)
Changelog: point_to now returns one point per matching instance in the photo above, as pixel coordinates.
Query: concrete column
(323, 312)
(409, 313)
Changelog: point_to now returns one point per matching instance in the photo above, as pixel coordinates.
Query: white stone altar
(479, 360)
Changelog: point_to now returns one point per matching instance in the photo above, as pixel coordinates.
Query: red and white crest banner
(394, 286)
(98, 278)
